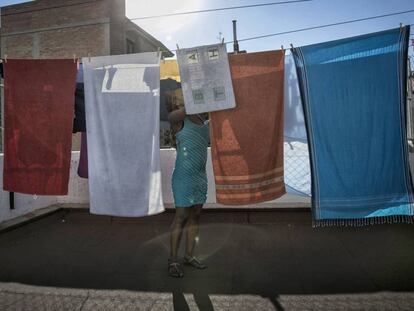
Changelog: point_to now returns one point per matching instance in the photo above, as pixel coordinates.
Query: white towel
(205, 79)
(122, 116)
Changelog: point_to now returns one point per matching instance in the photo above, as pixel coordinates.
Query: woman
(189, 180)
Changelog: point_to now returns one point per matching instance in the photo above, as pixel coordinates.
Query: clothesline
(220, 9)
(165, 15)
(245, 39)
(271, 35)
(124, 172)
(50, 8)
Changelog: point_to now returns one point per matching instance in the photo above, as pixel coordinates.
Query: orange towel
(247, 142)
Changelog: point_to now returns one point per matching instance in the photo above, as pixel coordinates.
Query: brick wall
(19, 47)
(64, 43)
(29, 30)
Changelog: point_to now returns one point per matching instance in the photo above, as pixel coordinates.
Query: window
(130, 45)
(219, 93)
(192, 57)
(198, 97)
(213, 54)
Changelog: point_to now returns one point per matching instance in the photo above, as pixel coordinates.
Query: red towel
(247, 142)
(38, 119)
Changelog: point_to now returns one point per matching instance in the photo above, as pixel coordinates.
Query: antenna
(220, 36)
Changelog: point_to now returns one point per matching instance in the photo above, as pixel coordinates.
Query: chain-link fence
(410, 104)
(297, 168)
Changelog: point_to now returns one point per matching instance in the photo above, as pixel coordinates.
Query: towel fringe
(360, 222)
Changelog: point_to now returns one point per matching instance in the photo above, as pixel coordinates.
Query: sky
(207, 28)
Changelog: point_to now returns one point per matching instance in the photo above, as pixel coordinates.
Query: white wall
(78, 187)
(79, 195)
(79, 192)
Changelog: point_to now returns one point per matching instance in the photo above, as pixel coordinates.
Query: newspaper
(206, 80)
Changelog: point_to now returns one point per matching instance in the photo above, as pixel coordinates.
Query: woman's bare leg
(180, 219)
(193, 228)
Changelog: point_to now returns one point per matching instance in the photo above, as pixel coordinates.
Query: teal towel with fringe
(354, 99)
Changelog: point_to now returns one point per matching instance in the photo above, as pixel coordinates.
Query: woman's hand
(177, 116)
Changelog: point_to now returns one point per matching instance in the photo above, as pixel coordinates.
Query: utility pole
(235, 42)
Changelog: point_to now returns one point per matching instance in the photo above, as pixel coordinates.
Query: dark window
(130, 47)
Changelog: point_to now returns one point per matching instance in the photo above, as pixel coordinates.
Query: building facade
(72, 29)
(64, 28)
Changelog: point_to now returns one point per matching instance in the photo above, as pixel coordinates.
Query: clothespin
(282, 47)
(177, 46)
(5, 58)
(163, 58)
(222, 41)
(291, 46)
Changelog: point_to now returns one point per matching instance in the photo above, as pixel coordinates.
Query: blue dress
(189, 178)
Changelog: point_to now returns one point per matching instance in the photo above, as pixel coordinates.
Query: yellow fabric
(169, 69)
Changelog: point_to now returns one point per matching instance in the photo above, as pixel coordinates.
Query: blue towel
(354, 99)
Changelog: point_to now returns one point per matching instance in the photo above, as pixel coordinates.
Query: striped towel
(247, 142)
(354, 97)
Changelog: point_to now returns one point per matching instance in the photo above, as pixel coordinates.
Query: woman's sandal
(175, 269)
(194, 262)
